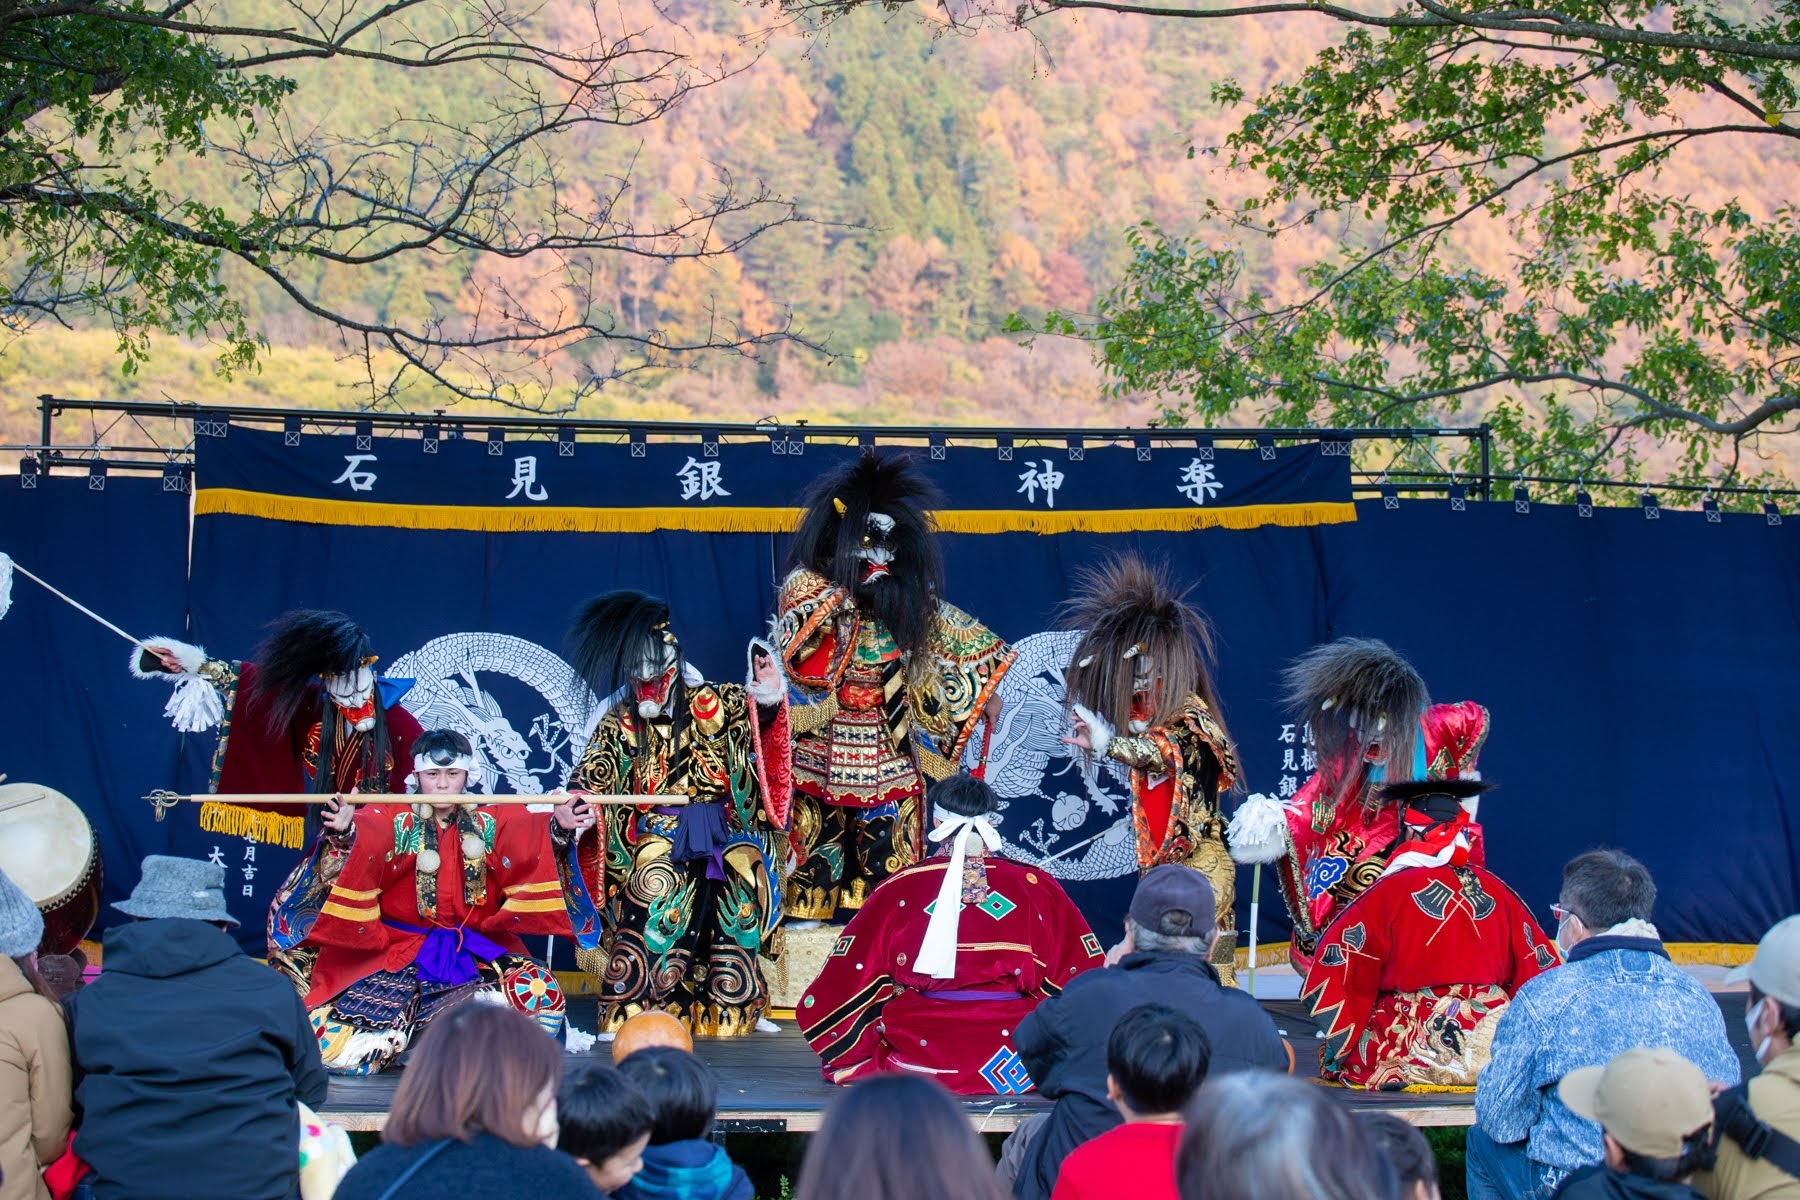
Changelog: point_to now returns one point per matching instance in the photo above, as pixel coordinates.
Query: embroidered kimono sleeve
(351, 913)
(968, 660)
(524, 864)
(839, 1013)
(1533, 952)
(1345, 979)
(604, 767)
(1066, 946)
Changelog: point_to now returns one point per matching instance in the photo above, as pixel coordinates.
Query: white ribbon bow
(937, 953)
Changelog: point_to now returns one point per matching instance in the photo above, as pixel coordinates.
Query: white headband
(937, 953)
(462, 762)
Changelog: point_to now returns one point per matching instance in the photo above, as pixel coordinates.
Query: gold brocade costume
(869, 726)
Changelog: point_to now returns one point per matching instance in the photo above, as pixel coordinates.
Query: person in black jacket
(1169, 934)
(474, 1116)
(190, 1056)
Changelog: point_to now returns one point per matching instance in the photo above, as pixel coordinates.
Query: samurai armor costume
(868, 726)
(1337, 848)
(378, 942)
(694, 890)
(1020, 939)
(1177, 774)
(1413, 976)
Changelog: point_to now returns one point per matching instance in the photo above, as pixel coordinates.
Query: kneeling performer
(402, 910)
(937, 969)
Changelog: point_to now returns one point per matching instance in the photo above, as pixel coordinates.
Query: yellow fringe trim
(1709, 954)
(234, 820)
(1268, 954)
(306, 510)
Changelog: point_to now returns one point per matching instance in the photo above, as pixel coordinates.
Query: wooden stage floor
(769, 1083)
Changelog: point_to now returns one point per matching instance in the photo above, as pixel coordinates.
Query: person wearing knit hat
(34, 1054)
(21, 924)
(1655, 1113)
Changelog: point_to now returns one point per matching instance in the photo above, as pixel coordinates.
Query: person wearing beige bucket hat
(1655, 1113)
(1759, 1123)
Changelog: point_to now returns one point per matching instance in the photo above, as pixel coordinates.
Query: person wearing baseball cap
(1759, 1150)
(1655, 1113)
(1170, 929)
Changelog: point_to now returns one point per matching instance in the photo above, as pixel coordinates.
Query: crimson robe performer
(1414, 974)
(936, 971)
(309, 714)
(1370, 722)
(888, 681)
(694, 892)
(1141, 692)
(404, 909)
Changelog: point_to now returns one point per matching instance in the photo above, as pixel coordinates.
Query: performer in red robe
(945, 959)
(404, 909)
(1141, 692)
(1413, 975)
(888, 681)
(308, 715)
(1371, 722)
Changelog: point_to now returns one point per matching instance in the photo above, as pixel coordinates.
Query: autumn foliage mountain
(948, 180)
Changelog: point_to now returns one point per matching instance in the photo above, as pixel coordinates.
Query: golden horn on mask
(839, 505)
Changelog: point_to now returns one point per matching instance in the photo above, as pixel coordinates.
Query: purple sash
(449, 955)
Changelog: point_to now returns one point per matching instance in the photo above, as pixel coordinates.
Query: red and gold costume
(1019, 939)
(694, 890)
(377, 945)
(1338, 847)
(1413, 975)
(868, 725)
(1177, 775)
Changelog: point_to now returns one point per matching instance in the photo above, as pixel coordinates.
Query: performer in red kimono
(403, 910)
(1370, 722)
(946, 958)
(1141, 693)
(887, 680)
(1414, 974)
(312, 685)
(694, 891)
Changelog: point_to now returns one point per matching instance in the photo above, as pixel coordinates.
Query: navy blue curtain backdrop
(73, 718)
(1634, 668)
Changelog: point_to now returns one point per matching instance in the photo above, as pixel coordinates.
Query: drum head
(46, 844)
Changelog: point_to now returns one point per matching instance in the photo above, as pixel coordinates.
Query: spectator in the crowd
(34, 1054)
(604, 1123)
(680, 1163)
(1655, 1114)
(474, 1115)
(1409, 1152)
(1169, 934)
(190, 1056)
(1616, 991)
(1260, 1136)
(1156, 1060)
(897, 1137)
(1771, 1101)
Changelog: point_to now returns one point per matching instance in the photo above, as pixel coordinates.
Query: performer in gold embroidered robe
(1141, 692)
(887, 680)
(693, 891)
(402, 910)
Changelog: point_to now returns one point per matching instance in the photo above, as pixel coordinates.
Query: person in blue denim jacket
(1617, 991)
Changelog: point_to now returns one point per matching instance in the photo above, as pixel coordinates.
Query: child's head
(605, 1125)
(1156, 1059)
(1410, 1153)
(683, 1097)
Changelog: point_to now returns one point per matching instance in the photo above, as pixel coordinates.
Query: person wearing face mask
(889, 682)
(1764, 1115)
(1140, 692)
(308, 713)
(693, 891)
(402, 910)
(1616, 991)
